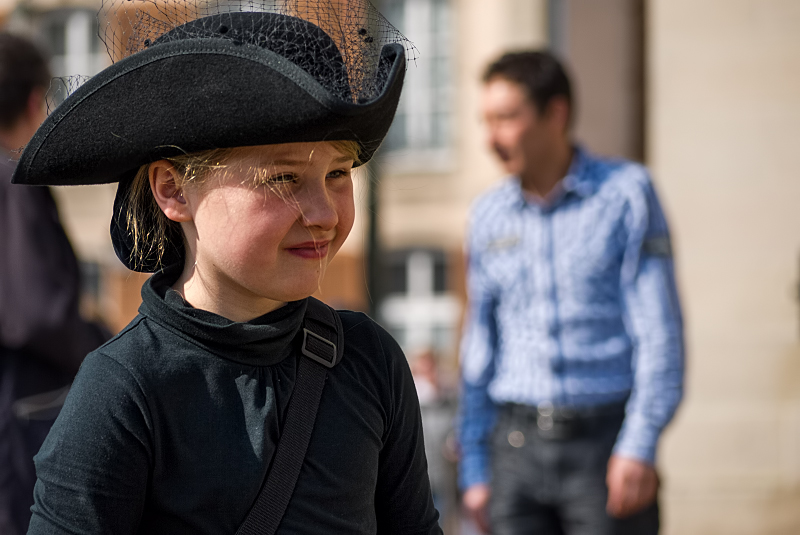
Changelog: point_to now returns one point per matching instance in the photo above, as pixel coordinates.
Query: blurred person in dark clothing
(43, 338)
(572, 357)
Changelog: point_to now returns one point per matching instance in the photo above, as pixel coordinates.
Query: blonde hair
(151, 230)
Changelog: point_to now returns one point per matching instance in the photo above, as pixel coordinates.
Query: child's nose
(319, 209)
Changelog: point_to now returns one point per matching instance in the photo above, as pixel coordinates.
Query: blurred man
(573, 347)
(42, 337)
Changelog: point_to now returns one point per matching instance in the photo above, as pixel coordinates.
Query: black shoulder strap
(323, 344)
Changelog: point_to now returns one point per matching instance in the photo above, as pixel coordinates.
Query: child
(233, 136)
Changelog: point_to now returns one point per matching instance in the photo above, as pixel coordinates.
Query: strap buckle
(318, 349)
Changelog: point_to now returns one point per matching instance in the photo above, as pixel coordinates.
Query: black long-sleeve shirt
(169, 428)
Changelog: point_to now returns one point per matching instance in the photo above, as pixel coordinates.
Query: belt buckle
(544, 417)
(556, 424)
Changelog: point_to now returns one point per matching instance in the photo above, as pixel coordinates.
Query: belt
(561, 422)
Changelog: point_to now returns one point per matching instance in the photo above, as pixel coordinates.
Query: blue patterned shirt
(571, 302)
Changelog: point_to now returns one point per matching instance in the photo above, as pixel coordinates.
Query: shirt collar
(577, 180)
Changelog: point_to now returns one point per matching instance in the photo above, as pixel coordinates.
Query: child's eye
(339, 173)
(282, 178)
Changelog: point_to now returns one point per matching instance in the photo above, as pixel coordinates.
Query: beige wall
(602, 46)
(86, 215)
(724, 132)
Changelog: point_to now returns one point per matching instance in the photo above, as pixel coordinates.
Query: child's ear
(168, 195)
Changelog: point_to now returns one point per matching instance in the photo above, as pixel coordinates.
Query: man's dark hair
(23, 68)
(538, 72)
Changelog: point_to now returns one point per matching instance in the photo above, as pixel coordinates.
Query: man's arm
(477, 411)
(653, 318)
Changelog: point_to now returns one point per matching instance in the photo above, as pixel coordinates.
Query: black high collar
(263, 341)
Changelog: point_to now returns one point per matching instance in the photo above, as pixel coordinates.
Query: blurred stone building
(705, 92)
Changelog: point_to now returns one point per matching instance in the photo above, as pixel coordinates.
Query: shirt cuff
(473, 470)
(638, 439)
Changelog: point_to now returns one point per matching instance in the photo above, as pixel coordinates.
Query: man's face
(517, 133)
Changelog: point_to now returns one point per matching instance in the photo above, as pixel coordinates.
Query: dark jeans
(547, 484)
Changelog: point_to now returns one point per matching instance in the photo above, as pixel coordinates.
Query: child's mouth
(310, 250)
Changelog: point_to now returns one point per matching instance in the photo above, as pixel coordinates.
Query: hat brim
(198, 94)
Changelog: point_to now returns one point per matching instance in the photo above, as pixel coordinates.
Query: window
(75, 48)
(418, 309)
(423, 121)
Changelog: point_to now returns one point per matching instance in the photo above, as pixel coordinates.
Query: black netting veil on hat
(189, 76)
(355, 29)
(349, 31)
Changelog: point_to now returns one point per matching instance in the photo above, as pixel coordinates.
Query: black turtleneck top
(170, 426)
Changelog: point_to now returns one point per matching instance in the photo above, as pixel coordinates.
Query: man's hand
(476, 505)
(632, 486)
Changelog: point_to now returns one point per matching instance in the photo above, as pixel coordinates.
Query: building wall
(86, 215)
(601, 43)
(420, 207)
(723, 136)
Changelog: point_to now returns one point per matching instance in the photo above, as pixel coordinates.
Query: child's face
(264, 227)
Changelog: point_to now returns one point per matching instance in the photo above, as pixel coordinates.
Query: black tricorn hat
(219, 81)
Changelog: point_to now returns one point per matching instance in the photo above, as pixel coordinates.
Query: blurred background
(705, 92)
